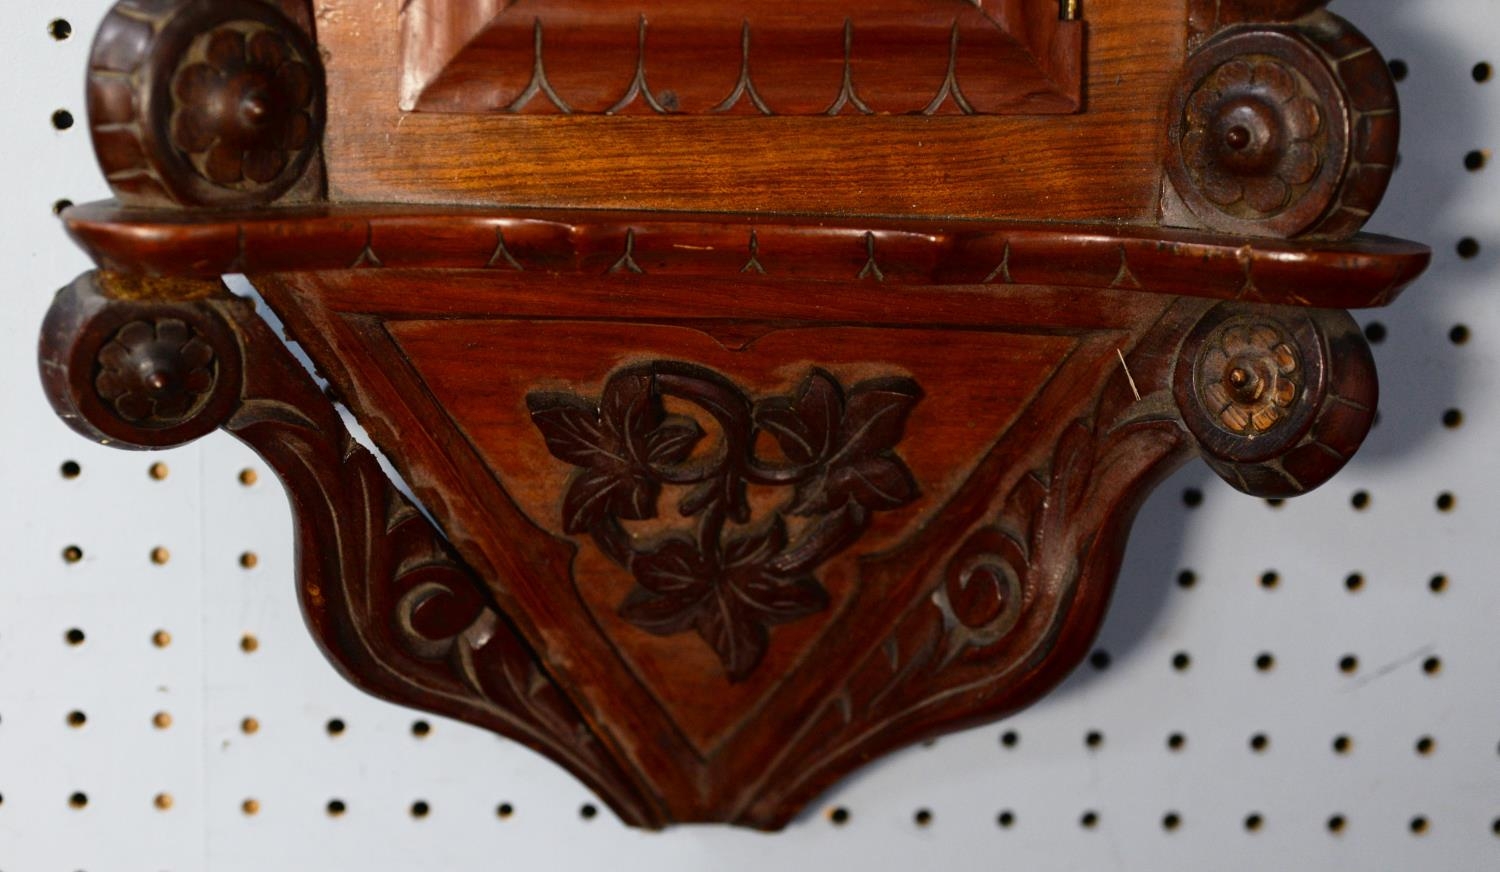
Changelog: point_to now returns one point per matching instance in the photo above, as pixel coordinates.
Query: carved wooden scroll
(772, 443)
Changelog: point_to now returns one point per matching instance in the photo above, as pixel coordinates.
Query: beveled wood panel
(1022, 167)
(762, 57)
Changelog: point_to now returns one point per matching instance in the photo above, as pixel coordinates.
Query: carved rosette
(137, 369)
(1285, 131)
(1279, 399)
(206, 103)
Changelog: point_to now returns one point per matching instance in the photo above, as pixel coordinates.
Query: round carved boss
(1273, 135)
(1278, 399)
(141, 374)
(1248, 384)
(227, 97)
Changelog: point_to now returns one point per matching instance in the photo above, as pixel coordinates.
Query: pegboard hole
(1467, 248)
(161, 720)
(250, 807)
(249, 560)
(62, 119)
(1093, 740)
(1399, 69)
(1419, 826)
(336, 808)
(248, 477)
(162, 801)
(1337, 824)
(1453, 419)
(1354, 582)
(1192, 498)
(72, 554)
(1254, 822)
(160, 555)
(1010, 738)
(79, 800)
(1089, 820)
(74, 637)
(1437, 583)
(1269, 580)
(1458, 334)
(77, 719)
(60, 29)
(159, 471)
(504, 810)
(61, 206)
(838, 816)
(1265, 661)
(1275, 502)
(421, 729)
(1260, 742)
(1432, 665)
(1007, 819)
(420, 809)
(1176, 742)
(1375, 332)
(922, 818)
(1425, 746)
(1100, 660)
(161, 638)
(249, 644)
(335, 727)
(1482, 72)
(587, 811)
(70, 469)
(1171, 821)
(1187, 578)
(1360, 500)
(1445, 502)
(1182, 661)
(249, 726)
(1348, 664)
(1475, 160)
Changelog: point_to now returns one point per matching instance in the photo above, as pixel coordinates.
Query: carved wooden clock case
(778, 380)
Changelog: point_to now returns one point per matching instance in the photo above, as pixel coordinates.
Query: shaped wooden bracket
(774, 472)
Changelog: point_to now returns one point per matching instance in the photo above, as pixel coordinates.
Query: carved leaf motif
(615, 446)
(804, 425)
(729, 589)
(863, 467)
(730, 603)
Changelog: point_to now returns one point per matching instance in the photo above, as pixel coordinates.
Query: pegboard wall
(1310, 685)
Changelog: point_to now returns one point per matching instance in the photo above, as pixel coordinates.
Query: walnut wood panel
(764, 57)
(1367, 271)
(1013, 166)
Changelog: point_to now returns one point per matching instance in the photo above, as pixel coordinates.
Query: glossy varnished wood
(781, 386)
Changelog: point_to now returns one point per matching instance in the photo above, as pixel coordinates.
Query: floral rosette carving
(733, 576)
(155, 374)
(1252, 137)
(1250, 377)
(245, 106)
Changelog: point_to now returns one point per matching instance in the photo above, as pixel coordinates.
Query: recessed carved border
(683, 57)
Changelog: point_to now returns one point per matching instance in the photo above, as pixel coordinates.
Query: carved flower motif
(1251, 377)
(244, 109)
(155, 374)
(1250, 136)
(730, 600)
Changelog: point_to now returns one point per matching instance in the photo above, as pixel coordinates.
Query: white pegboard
(1179, 659)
